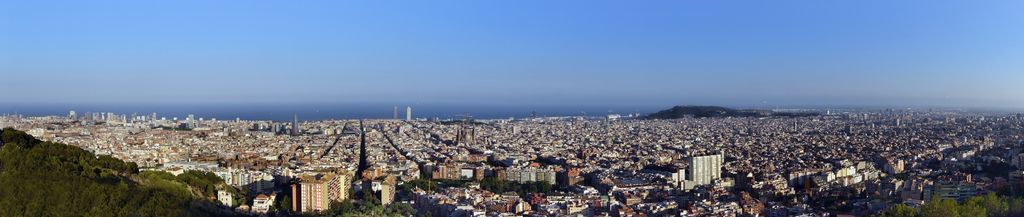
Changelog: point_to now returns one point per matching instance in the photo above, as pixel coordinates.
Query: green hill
(718, 111)
(40, 178)
(700, 112)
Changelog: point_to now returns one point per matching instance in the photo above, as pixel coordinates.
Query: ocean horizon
(284, 112)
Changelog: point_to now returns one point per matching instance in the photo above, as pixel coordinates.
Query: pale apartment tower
(72, 115)
(395, 114)
(408, 113)
(703, 169)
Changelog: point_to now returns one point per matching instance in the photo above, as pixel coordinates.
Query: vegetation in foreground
(1007, 202)
(40, 178)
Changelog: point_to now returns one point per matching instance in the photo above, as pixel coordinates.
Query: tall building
(72, 115)
(703, 169)
(408, 113)
(314, 193)
(191, 121)
(387, 190)
(295, 124)
(395, 115)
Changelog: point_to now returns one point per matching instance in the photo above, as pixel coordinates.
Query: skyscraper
(408, 113)
(395, 116)
(191, 121)
(295, 124)
(72, 115)
(702, 170)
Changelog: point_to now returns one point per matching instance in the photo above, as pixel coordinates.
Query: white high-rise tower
(702, 170)
(408, 113)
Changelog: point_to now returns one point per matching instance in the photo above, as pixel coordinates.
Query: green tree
(972, 210)
(899, 210)
(283, 204)
(52, 179)
(991, 203)
(940, 208)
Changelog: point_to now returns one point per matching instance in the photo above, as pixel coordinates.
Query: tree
(972, 210)
(283, 204)
(52, 179)
(1016, 207)
(992, 203)
(940, 208)
(899, 210)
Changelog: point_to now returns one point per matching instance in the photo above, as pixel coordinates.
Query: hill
(718, 111)
(39, 178)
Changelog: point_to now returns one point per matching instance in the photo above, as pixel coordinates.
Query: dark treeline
(1005, 202)
(40, 178)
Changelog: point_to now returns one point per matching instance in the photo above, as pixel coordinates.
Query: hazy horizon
(580, 54)
(284, 112)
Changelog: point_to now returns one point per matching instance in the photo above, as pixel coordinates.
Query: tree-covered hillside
(720, 112)
(40, 178)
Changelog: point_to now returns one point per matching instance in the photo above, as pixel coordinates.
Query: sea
(285, 112)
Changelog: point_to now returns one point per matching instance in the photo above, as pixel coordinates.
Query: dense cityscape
(524, 108)
(835, 162)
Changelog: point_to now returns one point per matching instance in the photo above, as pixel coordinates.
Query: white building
(262, 202)
(703, 169)
(225, 198)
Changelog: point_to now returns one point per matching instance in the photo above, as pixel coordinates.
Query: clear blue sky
(927, 52)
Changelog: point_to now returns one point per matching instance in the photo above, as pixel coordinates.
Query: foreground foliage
(50, 179)
(990, 204)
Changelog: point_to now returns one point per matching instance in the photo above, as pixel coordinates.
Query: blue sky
(933, 53)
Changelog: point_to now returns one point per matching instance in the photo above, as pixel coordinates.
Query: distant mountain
(718, 111)
(39, 178)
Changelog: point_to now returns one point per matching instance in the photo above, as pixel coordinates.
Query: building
(531, 174)
(314, 193)
(387, 190)
(959, 191)
(702, 170)
(191, 121)
(893, 166)
(570, 177)
(408, 113)
(262, 202)
(295, 125)
(225, 198)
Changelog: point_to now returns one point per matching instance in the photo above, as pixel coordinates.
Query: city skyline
(574, 108)
(873, 53)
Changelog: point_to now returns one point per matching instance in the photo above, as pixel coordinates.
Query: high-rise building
(408, 113)
(295, 124)
(395, 116)
(191, 121)
(72, 115)
(314, 193)
(703, 169)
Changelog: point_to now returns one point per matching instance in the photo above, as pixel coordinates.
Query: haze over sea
(308, 111)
